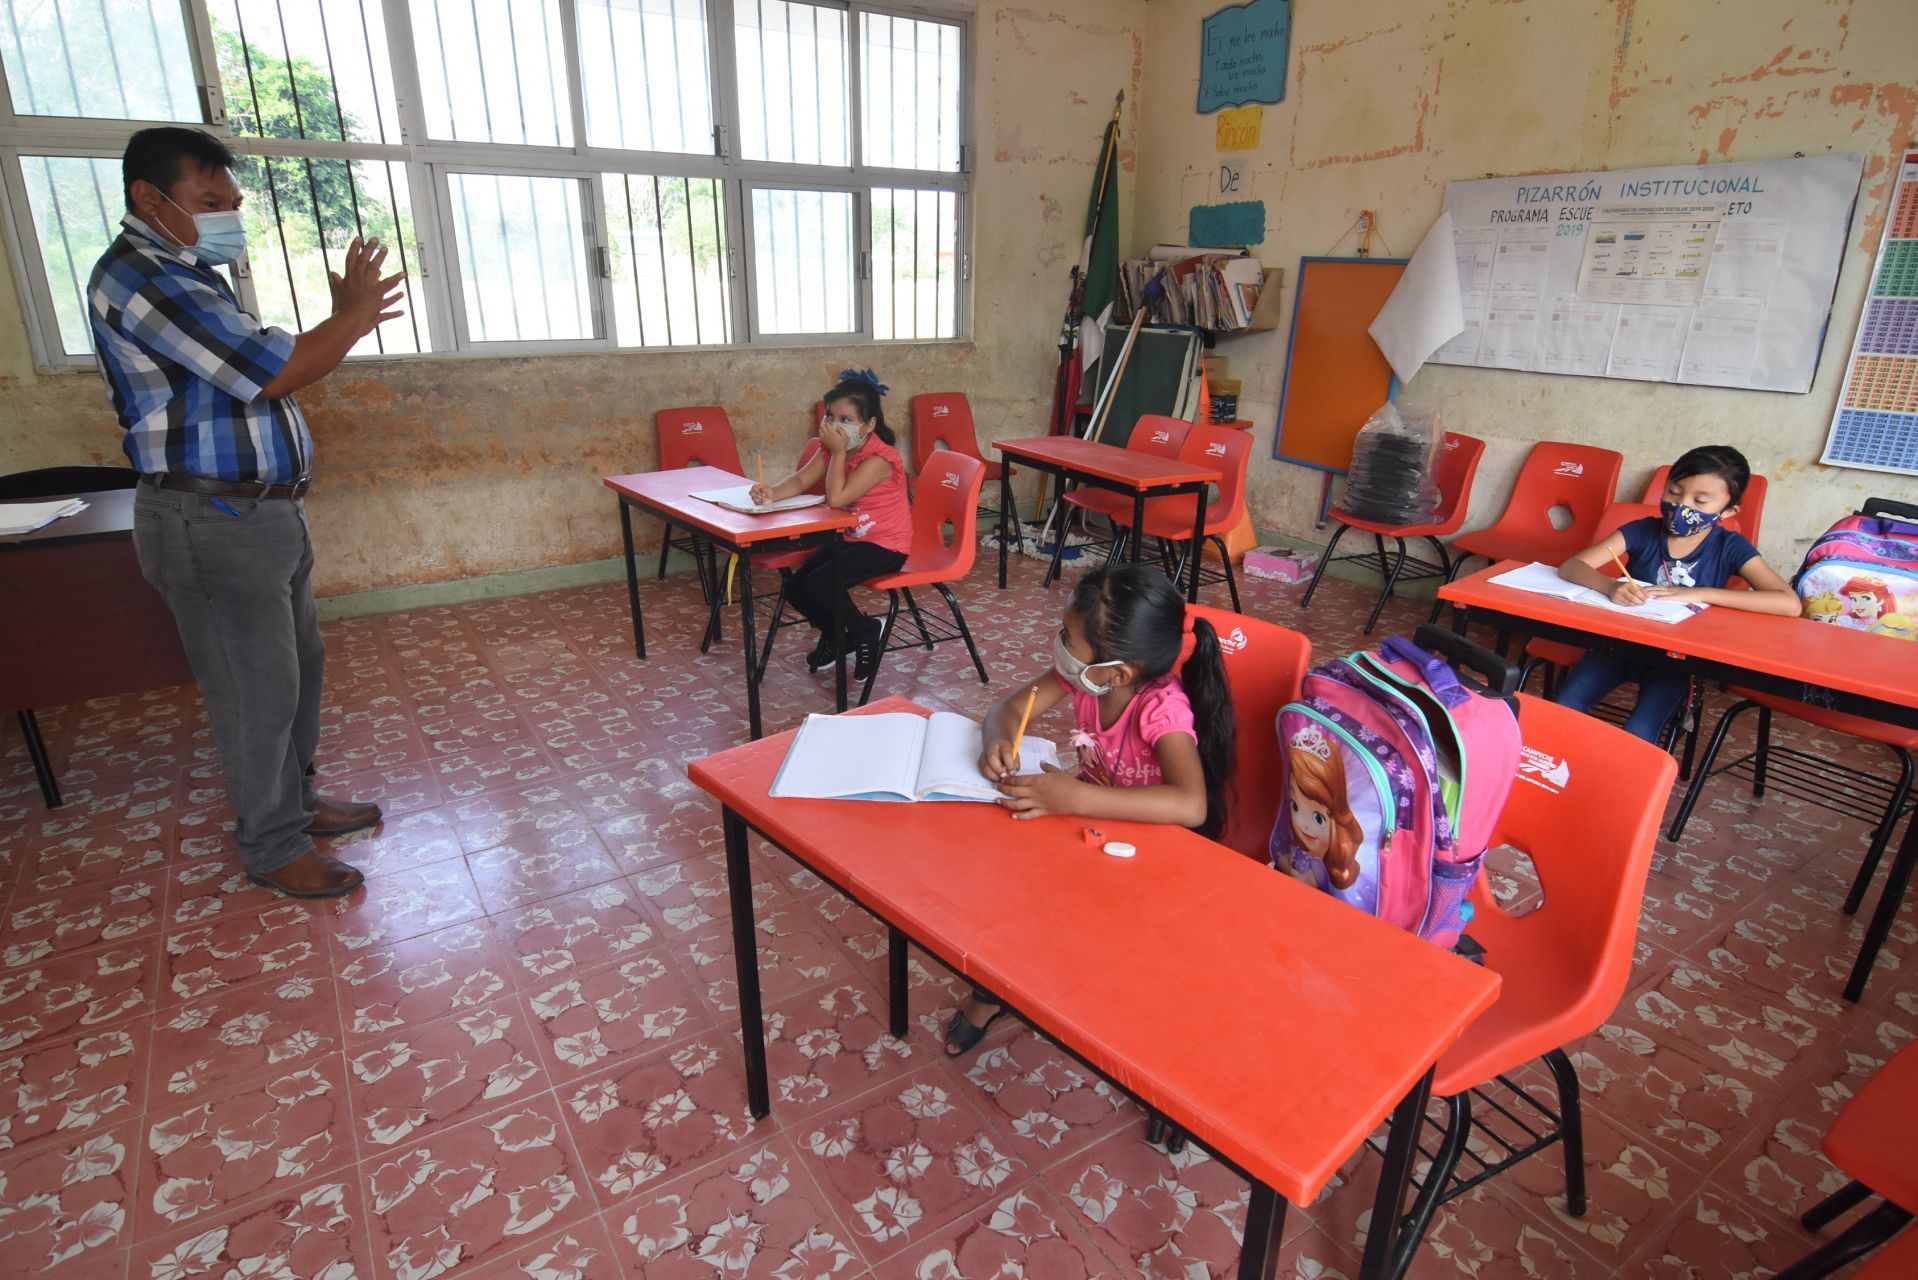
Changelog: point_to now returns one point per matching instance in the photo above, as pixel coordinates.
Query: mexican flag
(1099, 260)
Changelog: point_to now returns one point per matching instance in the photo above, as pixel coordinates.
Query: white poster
(1652, 256)
(1753, 247)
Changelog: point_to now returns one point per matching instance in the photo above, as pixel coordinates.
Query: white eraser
(1119, 849)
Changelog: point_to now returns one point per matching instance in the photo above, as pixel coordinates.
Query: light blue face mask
(222, 235)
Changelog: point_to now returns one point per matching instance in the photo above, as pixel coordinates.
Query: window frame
(429, 162)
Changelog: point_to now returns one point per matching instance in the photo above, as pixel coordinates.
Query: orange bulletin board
(1335, 375)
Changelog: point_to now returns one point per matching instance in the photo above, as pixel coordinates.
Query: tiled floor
(514, 1053)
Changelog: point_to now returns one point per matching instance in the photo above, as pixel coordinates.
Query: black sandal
(963, 1035)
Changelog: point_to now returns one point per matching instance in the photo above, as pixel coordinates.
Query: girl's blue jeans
(1660, 691)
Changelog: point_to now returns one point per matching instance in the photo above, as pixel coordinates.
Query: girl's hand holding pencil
(1628, 591)
(1001, 759)
(760, 493)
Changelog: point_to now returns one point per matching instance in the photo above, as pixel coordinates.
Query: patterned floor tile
(231, 952)
(756, 1213)
(592, 1018)
(115, 911)
(652, 1118)
(1025, 1233)
(402, 843)
(79, 992)
(312, 1231)
(94, 857)
(69, 1204)
(473, 1192)
(792, 957)
(56, 1091)
(906, 1159)
(452, 971)
(244, 1141)
(827, 1047)
(420, 1079)
(274, 1025)
(498, 816)
(1720, 1235)
(575, 932)
(1048, 1105)
(582, 1251)
(1159, 1214)
(402, 905)
(548, 865)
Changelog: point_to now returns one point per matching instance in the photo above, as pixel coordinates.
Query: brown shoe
(337, 818)
(312, 875)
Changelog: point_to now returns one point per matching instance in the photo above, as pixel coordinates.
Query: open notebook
(1543, 579)
(895, 756)
(740, 498)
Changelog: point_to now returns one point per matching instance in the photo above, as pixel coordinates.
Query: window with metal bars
(518, 158)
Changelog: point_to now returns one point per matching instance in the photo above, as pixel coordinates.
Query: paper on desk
(740, 498)
(1543, 579)
(25, 517)
(1426, 310)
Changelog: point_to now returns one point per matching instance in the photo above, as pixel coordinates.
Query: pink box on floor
(1281, 563)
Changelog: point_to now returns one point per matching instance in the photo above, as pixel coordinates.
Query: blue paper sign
(1227, 226)
(1243, 51)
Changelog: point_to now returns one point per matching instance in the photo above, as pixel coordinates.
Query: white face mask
(222, 235)
(1073, 671)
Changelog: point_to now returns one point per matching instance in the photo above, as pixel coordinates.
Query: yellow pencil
(1031, 696)
(759, 465)
(1623, 570)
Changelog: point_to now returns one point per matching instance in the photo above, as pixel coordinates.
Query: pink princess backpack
(1393, 774)
(1863, 572)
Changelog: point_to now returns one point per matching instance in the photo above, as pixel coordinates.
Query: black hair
(867, 396)
(1133, 613)
(154, 155)
(1720, 460)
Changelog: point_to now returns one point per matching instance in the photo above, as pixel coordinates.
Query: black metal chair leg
(1864, 1235)
(665, 546)
(1231, 582)
(1695, 717)
(1882, 837)
(1325, 558)
(1412, 1230)
(42, 766)
(879, 658)
(773, 628)
(965, 632)
(925, 636)
(1571, 1125)
(1702, 774)
(1843, 1200)
(1762, 757)
(1386, 588)
(1060, 527)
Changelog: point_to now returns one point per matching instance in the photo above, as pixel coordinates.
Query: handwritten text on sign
(1242, 54)
(1239, 129)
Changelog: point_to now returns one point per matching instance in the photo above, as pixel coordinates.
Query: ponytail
(1205, 687)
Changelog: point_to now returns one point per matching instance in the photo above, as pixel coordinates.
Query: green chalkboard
(1158, 378)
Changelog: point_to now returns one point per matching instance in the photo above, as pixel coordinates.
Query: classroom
(1371, 547)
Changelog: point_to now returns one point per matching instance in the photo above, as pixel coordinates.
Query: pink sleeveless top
(884, 511)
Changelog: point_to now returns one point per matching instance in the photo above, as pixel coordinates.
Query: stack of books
(25, 517)
(1205, 289)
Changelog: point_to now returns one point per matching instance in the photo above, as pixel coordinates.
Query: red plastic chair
(1457, 466)
(699, 435)
(943, 420)
(1227, 450)
(1264, 664)
(1578, 477)
(1872, 1140)
(1585, 807)
(1154, 434)
(948, 495)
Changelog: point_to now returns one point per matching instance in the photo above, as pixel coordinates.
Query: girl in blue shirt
(1683, 554)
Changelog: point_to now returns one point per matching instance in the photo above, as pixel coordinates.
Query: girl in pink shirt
(1154, 744)
(854, 459)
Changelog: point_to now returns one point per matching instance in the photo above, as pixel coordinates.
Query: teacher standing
(204, 393)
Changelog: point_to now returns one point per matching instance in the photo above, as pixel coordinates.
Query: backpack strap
(1438, 674)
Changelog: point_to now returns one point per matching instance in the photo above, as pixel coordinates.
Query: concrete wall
(441, 468)
(1389, 99)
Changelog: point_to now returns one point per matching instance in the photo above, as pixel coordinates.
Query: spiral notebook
(895, 755)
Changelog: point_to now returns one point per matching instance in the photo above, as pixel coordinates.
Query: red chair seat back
(948, 494)
(1264, 664)
(1457, 467)
(942, 420)
(1158, 435)
(1228, 451)
(700, 435)
(1578, 477)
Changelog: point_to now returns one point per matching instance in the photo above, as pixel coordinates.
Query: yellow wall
(1390, 99)
(435, 469)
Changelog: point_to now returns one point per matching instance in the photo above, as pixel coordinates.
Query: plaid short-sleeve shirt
(185, 366)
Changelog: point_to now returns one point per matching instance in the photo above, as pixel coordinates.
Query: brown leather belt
(226, 488)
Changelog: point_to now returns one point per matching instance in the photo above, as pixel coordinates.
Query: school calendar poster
(1716, 275)
(1875, 427)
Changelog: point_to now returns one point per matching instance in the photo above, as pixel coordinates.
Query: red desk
(1809, 662)
(1318, 1020)
(1105, 466)
(81, 621)
(668, 495)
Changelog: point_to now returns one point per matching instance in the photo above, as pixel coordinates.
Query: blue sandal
(963, 1035)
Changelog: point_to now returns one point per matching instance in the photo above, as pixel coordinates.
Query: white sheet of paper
(1425, 310)
(1543, 579)
(740, 498)
(25, 517)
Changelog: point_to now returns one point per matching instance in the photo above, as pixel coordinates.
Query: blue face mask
(222, 235)
(1682, 521)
